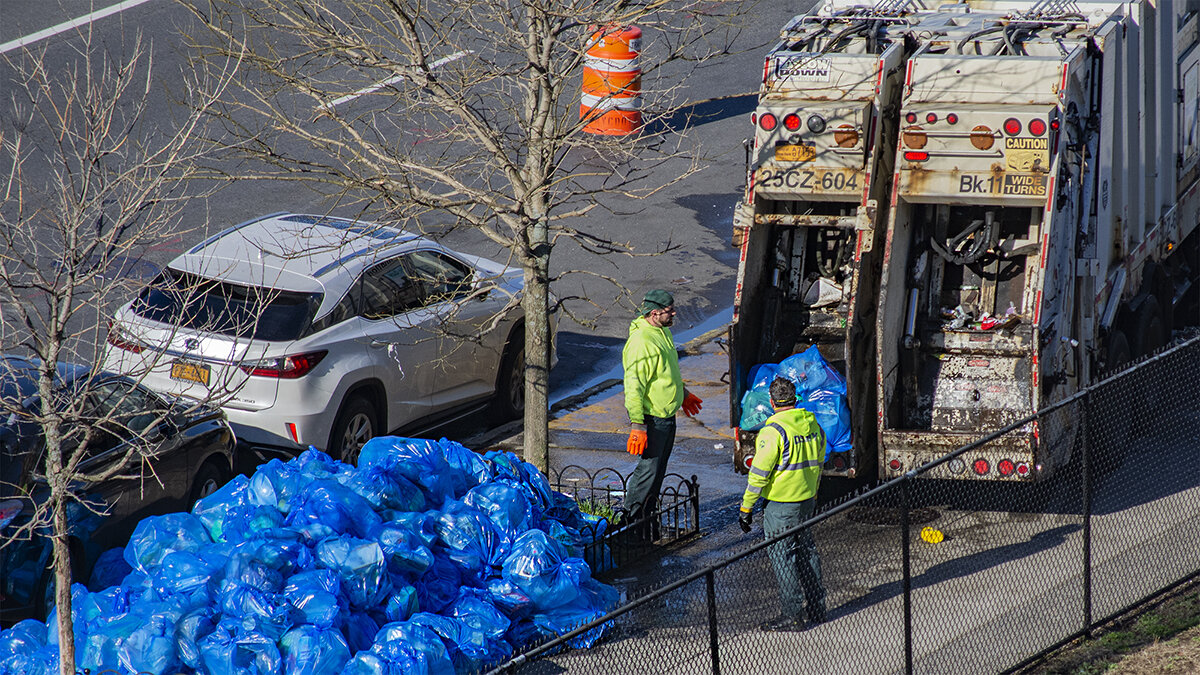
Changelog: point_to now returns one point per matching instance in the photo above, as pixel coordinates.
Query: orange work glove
(691, 404)
(637, 441)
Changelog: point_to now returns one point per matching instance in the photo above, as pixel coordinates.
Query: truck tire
(1118, 353)
(1152, 330)
(356, 424)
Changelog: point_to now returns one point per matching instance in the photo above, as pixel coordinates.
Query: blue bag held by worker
(833, 416)
(762, 375)
(756, 408)
(809, 371)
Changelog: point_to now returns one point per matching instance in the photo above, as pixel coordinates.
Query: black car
(187, 452)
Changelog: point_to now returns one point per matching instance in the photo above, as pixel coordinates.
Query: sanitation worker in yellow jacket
(786, 471)
(654, 392)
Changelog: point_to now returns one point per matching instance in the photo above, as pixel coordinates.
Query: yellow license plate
(795, 153)
(191, 372)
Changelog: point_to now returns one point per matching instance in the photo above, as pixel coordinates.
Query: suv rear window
(212, 306)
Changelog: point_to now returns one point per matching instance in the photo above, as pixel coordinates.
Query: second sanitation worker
(786, 471)
(654, 392)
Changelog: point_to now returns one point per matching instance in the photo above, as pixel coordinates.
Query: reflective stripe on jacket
(788, 455)
(653, 385)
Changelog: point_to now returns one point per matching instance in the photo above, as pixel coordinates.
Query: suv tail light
(119, 339)
(285, 367)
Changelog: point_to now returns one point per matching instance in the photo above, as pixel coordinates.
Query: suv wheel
(208, 480)
(510, 383)
(355, 425)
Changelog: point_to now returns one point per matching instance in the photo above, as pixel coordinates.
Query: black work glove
(744, 519)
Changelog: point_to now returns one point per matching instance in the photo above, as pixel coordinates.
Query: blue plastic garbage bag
(228, 505)
(474, 469)
(538, 567)
(471, 541)
(756, 408)
(413, 648)
(506, 506)
(191, 628)
(315, 596)
(420, 461)
(424, 525)
(569, 537)
(232, 650)
(327, 508)
(156, 536)
(475, 608)
(109, 570)
(594, 601)
(368, 663)
(386, 490)
(24, 638)
(466, 645)
(150, 648)
(266, 563)
(360, 565)
(438, 587)
(42, 662)
(810, 372)
(275, 484)
(508, 468)
(308, 650)
(833, 416)
(406, 549)
(402, 603)
(507, 596)
(79, 596)
(317, 465)
(185, 575)
(360, 630)
(762, 375)
(264, 611)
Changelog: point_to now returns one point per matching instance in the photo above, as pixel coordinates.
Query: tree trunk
(536, 303)
(62, 588)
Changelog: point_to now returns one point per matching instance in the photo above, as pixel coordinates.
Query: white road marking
(69, 25)
(390, 81)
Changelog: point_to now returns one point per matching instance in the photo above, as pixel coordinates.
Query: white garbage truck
(1040, 223)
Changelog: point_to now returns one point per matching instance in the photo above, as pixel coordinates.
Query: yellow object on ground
(932, 536)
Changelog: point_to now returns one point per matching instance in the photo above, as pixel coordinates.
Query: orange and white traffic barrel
(611, 100)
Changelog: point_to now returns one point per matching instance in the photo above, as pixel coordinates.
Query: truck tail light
(285, 367)
(911, 118)
(1006, 467)
(816, 124)
(1037, 127)
(119, 339)
(748, 460)
(1012, 126)
(981, 467)
(1022, 469)
(931, 118)
(768, 122)
(845, 136)
(982, 138)
(791, 121)
(916, 156)
(951, 119)
(894, 464)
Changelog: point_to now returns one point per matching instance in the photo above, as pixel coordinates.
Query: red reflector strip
(291, 427)
(913, 156)
(979, 363)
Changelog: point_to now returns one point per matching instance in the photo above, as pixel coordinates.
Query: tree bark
(536, 303)
(62, 588)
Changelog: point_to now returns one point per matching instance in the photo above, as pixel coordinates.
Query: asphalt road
(694, 214)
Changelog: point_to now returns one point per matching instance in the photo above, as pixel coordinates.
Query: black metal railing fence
(926, 574)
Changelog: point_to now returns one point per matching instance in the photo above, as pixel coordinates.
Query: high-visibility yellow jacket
(653, 385)
(788, 455)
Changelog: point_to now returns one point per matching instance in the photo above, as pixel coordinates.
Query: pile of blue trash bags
(820, 389)
(425, 558)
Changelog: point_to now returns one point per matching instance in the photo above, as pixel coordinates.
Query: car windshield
(213, 306)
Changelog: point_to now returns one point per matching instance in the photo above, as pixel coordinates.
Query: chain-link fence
(936, 575)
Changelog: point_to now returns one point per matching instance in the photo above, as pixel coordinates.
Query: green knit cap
(656, 299)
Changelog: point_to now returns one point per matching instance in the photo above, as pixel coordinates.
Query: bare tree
(462, 114)
(89, 188)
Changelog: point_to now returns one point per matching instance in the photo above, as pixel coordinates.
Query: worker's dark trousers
(795, 559)
(641, 495)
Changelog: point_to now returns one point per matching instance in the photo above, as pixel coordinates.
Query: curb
(511, 429)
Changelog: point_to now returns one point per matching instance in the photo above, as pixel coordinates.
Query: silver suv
(314, 330)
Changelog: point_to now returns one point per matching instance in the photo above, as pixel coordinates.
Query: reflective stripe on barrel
(610, 101)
